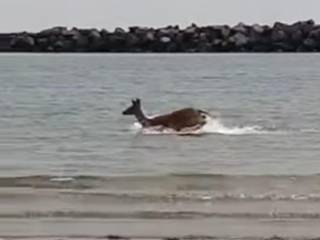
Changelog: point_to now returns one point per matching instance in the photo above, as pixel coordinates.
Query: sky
(35, 15)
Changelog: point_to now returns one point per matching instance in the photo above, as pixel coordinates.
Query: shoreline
(123, 237)
(301, 36)
(157, 229)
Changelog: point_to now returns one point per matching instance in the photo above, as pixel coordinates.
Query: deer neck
(142, 119)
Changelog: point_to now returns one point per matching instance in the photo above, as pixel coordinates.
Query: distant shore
(302, 36)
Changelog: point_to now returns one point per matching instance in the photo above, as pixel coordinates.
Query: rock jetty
(302, 36)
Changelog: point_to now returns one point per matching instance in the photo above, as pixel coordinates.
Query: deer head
(134, 109)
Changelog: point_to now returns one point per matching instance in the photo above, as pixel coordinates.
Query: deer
(186, 118)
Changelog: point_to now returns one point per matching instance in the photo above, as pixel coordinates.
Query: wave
(178, 187)
(199, 197)
(160, 215)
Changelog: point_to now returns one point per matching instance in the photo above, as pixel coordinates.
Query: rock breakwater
(302, 36)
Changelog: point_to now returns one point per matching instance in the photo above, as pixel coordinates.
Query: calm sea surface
(61, 128)
(61, 114)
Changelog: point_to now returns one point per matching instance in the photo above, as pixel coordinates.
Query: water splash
(216, 126)
(213, 126)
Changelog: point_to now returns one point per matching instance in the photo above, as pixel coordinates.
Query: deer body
(177, 120)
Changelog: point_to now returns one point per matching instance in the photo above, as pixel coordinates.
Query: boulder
(138, 31)
(58, 46)
(23, 42)
(69, 34)
(297, 36)
(117, 43)
(53, 38)
(258, 28)
(310, 44)
(119, 31)
(315, 33)
(80, 41)
(304, 26)
(149, 36)
(42, 44)
(278, 35)
(259, 35)
(168, 31)
(239, 39)
(222, 32)
(203, 37)
(165, 39)
(240, 28)
(94, 35)
(132, 41)
(191, 29)
(164, 31)
(53, 31)
(104, 32)
(281, 26)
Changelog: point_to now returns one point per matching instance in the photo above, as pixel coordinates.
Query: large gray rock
(80, 41)
(191, 29)
(258, 29)
(259, 36)
(278, 35)
(223, 31)
(165, 39)
(94, 35)
(281, 26)
(168, 31)
(164, 31)
(150, 36)
(53, 31)
(315, 33)
(203, 37)
(239, 39)
(304, 26)
(140, 33)
(23, 42)
(240, 28)
(310, 44)
(70, 33)
(132, 40)
(42, 43)
(297, 36)
(104, 33)
(119, 30)
(59, 45)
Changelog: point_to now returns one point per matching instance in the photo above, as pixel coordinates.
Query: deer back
(186, 117)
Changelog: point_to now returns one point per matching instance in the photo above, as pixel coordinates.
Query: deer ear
(133, 101)
(138, 100)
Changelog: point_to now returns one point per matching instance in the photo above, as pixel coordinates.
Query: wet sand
(214, 228)
(28, 213)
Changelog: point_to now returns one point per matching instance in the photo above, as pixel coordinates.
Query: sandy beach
(64, 213)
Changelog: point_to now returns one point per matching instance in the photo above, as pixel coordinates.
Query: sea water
(67, 152)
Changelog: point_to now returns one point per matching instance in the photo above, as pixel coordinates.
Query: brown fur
(184, 118)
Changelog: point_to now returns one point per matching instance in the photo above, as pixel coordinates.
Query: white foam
(213, 125)
(136, 126)
(62, 179)
(162, 130)
(216, 126)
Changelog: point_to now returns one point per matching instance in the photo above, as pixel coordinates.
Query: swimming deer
(177, 120)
